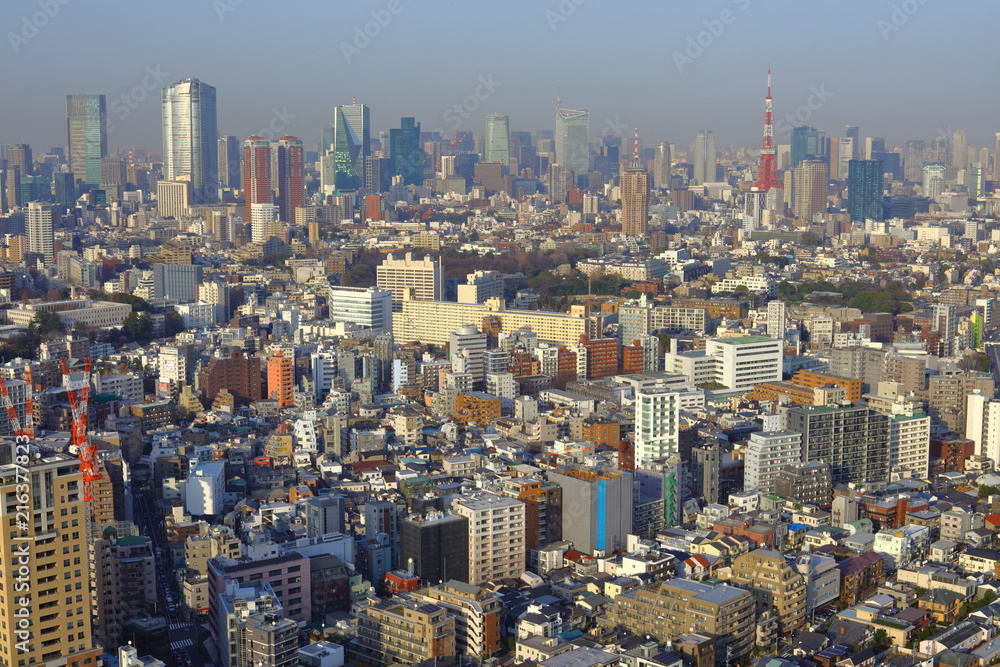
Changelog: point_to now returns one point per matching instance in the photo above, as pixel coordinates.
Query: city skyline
(692, 84)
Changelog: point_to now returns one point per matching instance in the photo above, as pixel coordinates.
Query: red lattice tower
(767, 173)
(78, 393)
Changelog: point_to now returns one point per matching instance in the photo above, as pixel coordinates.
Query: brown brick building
(239, 374)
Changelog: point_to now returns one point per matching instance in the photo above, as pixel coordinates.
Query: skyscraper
(635, 195)
(86, 130)
(661, 166)
(913, 160)
(810, 189)
(190, 138)
(406, 154)
(291, 186)
(19, 157)
(976, 180)
(934, 179)
(573, 139)
(864, 190)
(705, 159)
(350, 145)
(40, 230)
(996, 156)
(229, 163)
(854, 134)
(959, 149)
(59, 607)
(497, 139)
(256, 173)
(807, 143)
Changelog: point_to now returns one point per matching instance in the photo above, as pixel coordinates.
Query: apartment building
(496, 536)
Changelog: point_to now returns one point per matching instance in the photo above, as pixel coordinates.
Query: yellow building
(775, 584)
(48, 557)
(390, 631)
(431, 322)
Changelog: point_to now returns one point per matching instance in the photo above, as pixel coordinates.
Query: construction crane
(28, 428)
(78, 393)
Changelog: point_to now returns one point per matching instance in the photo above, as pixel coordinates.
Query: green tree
(138, 327)
(45, 322)
(986, 491)
(880, 641)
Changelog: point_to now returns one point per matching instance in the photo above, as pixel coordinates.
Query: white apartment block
(737, 363)
(425, 277)
(766, 453)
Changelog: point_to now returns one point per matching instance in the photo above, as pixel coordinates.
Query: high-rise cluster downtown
(200, 166)
(191, 138)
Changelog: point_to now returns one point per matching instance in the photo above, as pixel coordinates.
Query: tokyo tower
(767, 174)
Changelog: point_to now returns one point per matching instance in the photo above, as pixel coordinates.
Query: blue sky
(899, 69)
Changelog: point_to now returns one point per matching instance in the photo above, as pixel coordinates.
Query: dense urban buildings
(308, 385)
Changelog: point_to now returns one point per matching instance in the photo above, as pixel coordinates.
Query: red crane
(78, 393)
(28, 428)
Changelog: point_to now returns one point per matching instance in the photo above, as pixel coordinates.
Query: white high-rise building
(262, 217)
(324, 371)
(191, 138)
(705, 158)
(766, 453)
(205, 489)
(39, 229)
(737, 363)
(173, 369)
(497, 147)
(425, 277)
(573, 140)
(367, 307)
(661, 166)
(503, 386)
(934, 174)
(776, 322)
(657, 420)
(959, 149)
(467, 345)
(982, 424)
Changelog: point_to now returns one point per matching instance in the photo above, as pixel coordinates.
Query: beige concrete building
(433, 321)
(53, 546)
(496, 536)
(425, 277)
(409, 632)
(775, 585)
(173, 198)
(478, 614)
(679, 606)
(101, 314)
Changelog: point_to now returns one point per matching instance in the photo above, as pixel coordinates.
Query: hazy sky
(901, 69)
